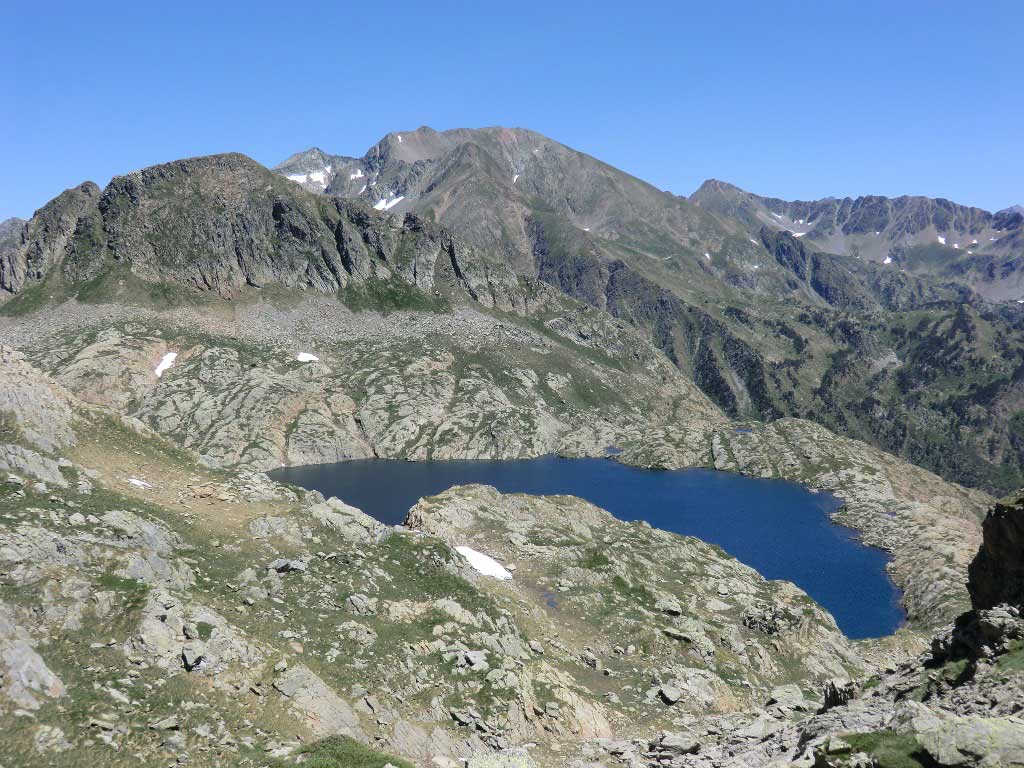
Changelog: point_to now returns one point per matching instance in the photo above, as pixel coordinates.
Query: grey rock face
(352, 523)
(43, 241)
(966, 741)
(14, 458)
(324, 711)
(38, 408)
(24, 676)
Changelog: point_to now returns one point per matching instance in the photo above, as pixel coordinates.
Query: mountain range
(772, 308)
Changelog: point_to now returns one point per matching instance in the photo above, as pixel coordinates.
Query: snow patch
(299, 177)
(165, 362)
(776, 216)
(357, 175)
(956, 246)
(753, 241)
(363, 189)
(991, 239)
(888, 260)
(799, 234)
(320, 177)
(515, 178)
(942, 240)
(707, 255)
(138, 483)
(399, 139)
(386, 205)
(486, 565)
(974, 242)
(306, 357)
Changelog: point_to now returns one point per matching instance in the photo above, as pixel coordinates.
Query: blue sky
(790, 99)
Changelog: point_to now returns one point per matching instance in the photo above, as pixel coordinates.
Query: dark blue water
(780, 528)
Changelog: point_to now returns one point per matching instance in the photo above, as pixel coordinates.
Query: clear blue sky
(792, 99)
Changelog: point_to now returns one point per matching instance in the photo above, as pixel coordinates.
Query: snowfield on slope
(485, 564)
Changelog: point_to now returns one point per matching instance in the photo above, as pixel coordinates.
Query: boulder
(320, 707)
(992, 742)
(352, 523)
(677, 743)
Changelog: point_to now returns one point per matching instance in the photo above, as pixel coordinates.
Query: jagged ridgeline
(224, 223)
(772, 308)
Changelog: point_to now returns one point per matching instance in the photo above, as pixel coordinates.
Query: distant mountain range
(910, 338)
(922, 235)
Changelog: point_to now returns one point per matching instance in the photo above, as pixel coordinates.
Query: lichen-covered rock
(981, 741)
(25, 680)
(350, 522)
(322, 710)
(40, 410)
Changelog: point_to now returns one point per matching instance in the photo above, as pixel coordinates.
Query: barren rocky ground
(164, 601)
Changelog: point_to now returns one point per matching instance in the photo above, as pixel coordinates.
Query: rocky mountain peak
(714, 187)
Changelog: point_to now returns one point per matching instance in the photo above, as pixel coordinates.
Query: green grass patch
(388, 296)
(636, 593)
(10, 430)
(595, 559)
(889, 749)
(205, 630)
(1013, 660)
(344, 752)
(31, 299)
(120, 584)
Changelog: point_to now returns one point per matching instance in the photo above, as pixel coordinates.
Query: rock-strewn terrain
(153, 609)
(470, 384)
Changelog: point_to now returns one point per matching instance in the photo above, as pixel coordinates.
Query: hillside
(766, 323)
(156, 608)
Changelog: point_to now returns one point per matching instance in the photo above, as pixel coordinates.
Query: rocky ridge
(919, 234)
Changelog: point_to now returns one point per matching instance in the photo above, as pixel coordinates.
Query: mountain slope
(224, 222)
(792, 332)
(926, 236)
(767, 323)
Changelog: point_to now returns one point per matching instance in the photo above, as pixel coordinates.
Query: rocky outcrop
(224, 222)
(32, 407)
(43, 241)
(459, 385)
(997, 572)
(25, 680)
